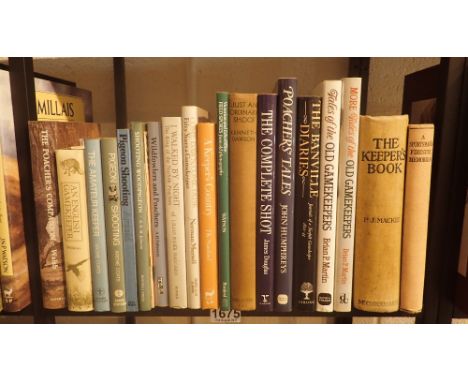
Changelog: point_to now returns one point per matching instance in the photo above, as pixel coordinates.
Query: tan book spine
(243, 172)
(174, 192)
(74, 217)
(382, 153)
(206, 142)
(416, 215)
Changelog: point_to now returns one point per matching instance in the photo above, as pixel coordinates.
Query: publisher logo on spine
(307, 288)
(324, 298)
(282, 299)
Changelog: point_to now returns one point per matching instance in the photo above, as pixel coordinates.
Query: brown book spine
(14, 264)
(416, 215)
(243, 157)
(382, 152)
(45, 138)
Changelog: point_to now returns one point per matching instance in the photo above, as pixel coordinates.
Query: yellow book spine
(242, 190)
(207, 212)
(416, 215)
(381, 177)
(74, 218)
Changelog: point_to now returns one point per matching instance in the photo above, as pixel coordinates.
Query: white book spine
(329, 160)
(192, 244)
(347, 182)
(174, 193)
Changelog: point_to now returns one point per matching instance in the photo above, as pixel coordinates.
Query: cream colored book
(174, 192)
(347, 189)
(416, 216)
(329, 161)
(191, 115)
(74, 218)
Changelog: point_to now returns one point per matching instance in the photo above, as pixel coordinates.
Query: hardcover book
(158, 214)
(74, 217)
(175, 233)
(143, 254)
(266, 154)
(206, 143)
(112, 210)
(243, 175)
(128, 218)
(416, 215)
(285, 165)
(191, 115)
(45, 138)
(381, 175)
(306, 201)
(96, 225)
(347, 182)
(328, 183)
(224, 221)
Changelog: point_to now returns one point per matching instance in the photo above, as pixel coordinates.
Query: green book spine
(140, 198)
(222, 101)
(115, 256)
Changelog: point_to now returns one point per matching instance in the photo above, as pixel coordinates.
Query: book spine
(266, 155)
(306, 201)
(224, 221)
(158, 215)
(175, 232)
(206, 144)
(416, 215)
(127, 213)
(74, 217)
(96, 225)
(243, 177)
(192, 251)
(112, 210)
(329, 160)
(347, 182)
(285, 165)
(143, 255)
(377, 258)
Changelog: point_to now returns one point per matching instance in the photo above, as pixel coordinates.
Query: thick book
(127, 213)
(174, 196)
(265, 225)
(74, 218)
(45, 138)
(347, 188)
(140, 201)
(14, 277)
(242, 192)
(112, 210)
(379, 214)
(329, 160)
(191, 115)
(306, 201)
(96, 225)
(285, 165)
(158, 214)
(224, 222)
(206, 154)
(416, 215)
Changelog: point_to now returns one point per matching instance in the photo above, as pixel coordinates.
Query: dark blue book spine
(306, 203)
(285, 166)
(266, 146)
(128, 229)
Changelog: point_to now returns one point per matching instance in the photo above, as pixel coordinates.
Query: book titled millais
(266, 154)
(306, 201)
(284, 220)
(329, 160)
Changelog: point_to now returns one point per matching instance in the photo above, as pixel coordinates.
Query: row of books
(276, 206)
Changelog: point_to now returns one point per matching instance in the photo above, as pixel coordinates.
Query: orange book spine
(207, 213)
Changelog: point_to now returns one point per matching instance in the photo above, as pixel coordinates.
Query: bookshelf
(446, 201)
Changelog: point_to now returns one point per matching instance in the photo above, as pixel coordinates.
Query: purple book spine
(266, 143)
(285, 165)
